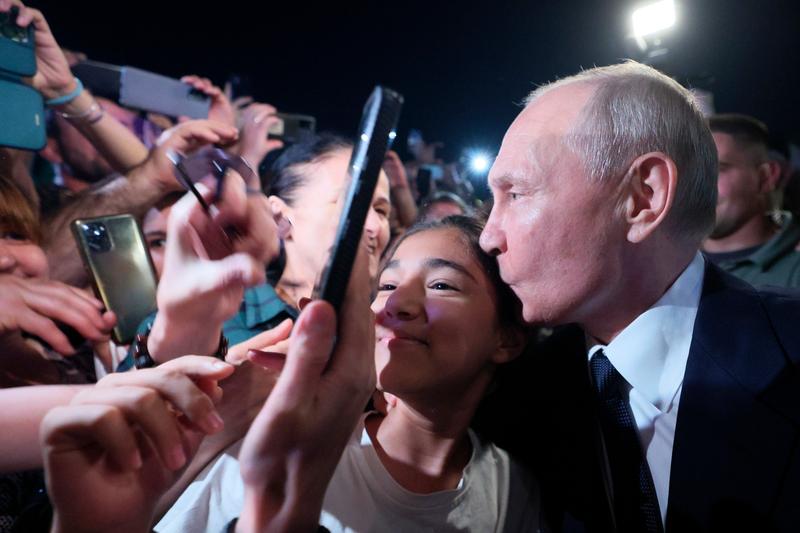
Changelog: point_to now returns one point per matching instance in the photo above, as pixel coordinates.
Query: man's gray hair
(635, 110)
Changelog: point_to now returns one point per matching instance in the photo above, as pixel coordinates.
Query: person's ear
(652, 182)
(513, 340)
(283, 215)
(769, 176)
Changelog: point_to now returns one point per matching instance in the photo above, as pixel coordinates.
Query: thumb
(310, 348)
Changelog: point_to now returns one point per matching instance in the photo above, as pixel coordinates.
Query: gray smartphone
(293, 128)
(116, 258)
(140, 89)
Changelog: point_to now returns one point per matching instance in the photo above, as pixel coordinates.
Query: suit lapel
(737, 423)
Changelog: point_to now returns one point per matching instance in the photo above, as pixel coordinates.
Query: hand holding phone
(116, 258)
(205, 273)
(50, 311)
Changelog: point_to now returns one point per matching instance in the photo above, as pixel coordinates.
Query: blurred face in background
(743, 185)
(314, 215)
(154, 228)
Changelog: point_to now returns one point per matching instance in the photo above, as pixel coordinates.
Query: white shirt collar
(651, 353)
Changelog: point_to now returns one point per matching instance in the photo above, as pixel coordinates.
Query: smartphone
(17, 46)
(424, 181)
(122, 274)
(22, 118)
(144, 90)
(293, 128)
(377, 129)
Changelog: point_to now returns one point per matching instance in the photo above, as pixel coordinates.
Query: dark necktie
(634, 496)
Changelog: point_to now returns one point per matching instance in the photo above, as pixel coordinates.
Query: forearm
(116, 143)
(134, 194)
(23, 410)
(403, 201)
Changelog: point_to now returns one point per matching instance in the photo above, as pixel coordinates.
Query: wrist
(170, 338)
(60, 89)
(269, 512)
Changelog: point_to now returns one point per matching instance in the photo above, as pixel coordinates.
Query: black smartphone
(293, 128)
(17, 45)
(122, 274)
(424, 180)
(378, 127)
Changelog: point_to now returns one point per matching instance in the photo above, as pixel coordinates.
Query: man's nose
(492, 238)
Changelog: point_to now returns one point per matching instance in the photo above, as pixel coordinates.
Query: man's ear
(652, 181)
(513, 340)
(769, 176)
(282, 213)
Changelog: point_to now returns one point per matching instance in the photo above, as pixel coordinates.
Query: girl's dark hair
(469, 228)
(283, 177)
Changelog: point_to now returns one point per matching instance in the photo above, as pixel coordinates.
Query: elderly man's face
(556, 234)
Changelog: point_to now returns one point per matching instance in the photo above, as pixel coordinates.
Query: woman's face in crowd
(436, 320)
(20, 256)
(315, 214)
(154, 228)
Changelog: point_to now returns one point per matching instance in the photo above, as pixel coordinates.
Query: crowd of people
(607, 345)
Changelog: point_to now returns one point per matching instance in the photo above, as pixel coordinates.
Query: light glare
(653, 18)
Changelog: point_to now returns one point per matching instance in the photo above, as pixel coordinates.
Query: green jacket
(775, 263)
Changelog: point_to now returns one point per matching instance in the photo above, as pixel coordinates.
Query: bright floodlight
(653, 18)
(479, 162)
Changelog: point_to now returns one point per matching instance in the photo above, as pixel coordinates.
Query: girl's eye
(386, 287)
(157, 243)
(442, 286)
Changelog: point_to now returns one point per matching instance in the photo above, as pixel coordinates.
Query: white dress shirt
(651, 354)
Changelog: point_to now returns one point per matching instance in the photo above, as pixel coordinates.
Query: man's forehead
(536, 135)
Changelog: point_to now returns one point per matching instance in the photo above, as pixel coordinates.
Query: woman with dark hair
(306, 187)
(444, 322)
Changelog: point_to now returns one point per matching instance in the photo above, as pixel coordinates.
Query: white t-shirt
(495, 494)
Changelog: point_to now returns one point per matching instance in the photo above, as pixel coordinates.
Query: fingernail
(176, 457)
(212, 422)
(218, 365)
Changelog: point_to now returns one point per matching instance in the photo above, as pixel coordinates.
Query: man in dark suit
(675, 403)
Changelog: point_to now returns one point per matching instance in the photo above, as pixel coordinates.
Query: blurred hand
(395, 170)
(183, 138)
(118, 446)
(206, 269)
(53, 77)
(296, 441)
(36, 306)
(255, 122)
(221, 109)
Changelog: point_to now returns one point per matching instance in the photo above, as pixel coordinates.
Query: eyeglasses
(208, 162)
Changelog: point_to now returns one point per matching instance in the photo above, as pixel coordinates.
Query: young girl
(444, 321)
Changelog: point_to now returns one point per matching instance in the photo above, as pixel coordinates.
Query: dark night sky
(461, 65)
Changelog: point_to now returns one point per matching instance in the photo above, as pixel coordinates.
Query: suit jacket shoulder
(736, 461)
